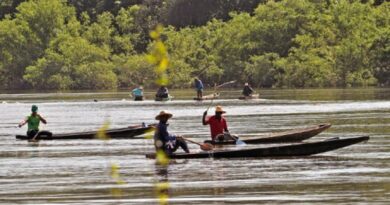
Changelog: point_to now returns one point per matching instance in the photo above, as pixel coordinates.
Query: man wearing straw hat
(218, 125)
(165, 141)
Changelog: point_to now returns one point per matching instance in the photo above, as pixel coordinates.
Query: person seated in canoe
(199, 88)
(138, 93)
(165, 141)
(33, 122)
(162, 92)
(218, 125)
(247, 91)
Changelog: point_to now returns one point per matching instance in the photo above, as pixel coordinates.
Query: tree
(72, 63)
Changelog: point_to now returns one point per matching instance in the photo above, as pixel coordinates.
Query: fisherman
(33, 122)
(218, 125)
(247, 91)
(138, 93)
(199, 88)
(162, 92)
(165, 141)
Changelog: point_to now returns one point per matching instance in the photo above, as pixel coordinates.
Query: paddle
(223, 84)
(35, 136)
(238, 141)
(215, 90)
(204, 146)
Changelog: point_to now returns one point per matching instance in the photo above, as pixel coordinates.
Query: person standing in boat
(33, 122)
(162, 92)
(138, 93)
(247, 91)
(218, 124)
(199, 88)
(165, 141)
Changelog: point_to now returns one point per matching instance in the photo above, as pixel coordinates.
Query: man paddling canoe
(138, 93)
(218, 125)
(247, 91)
(33, 122)
(162, 92)
(165, 141)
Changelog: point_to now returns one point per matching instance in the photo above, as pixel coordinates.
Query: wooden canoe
(294, 135)
(292, 150)
(163, 99)
(254, 96)
(208, 97)
(118, 133)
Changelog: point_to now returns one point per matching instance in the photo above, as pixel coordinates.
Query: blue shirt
(198, 84)
(137, 92)
(162, 134)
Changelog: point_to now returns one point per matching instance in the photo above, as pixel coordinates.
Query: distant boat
(292, 150)
(170, 97)
(208, 97)
(254, 96)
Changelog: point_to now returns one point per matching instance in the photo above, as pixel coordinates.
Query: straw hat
(219, 109)
(163, 113)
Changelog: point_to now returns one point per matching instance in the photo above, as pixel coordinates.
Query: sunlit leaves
(159, 56)
(162, 192)
(162, 157)
(115, 175)
(101, 133)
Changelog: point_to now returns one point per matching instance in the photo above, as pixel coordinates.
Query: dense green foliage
(101, 44)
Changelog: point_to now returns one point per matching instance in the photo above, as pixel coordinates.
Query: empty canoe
(292, 150)
(294, 135)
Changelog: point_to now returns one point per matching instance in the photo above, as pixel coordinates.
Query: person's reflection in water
(162, 184)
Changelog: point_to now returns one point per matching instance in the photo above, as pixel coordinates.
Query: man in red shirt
(217, 124)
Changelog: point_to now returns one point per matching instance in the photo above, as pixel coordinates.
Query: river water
(117, 172)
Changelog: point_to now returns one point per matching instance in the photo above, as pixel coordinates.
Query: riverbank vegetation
(102, 44)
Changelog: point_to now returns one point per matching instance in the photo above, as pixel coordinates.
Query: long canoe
(292, 150)
(294, 135)
(208, 97)
(127, 132)
(254, 96)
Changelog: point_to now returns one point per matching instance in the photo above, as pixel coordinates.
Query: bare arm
(204, 118)
(225, 127)
(42, 119)
(22, 123)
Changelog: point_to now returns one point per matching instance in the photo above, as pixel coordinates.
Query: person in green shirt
(33, 122)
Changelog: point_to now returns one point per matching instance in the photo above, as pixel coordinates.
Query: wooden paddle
(223, 84)
(35, 136)
(204, 146)
(238, 141)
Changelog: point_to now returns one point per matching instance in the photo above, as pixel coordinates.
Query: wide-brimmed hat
(219, 109)
(163, 113)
